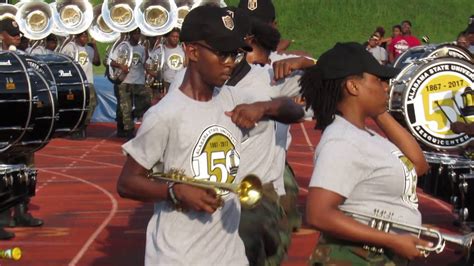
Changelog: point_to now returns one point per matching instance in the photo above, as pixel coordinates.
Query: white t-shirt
(368, 170)
(200, 139)
(38, 50)
(379, 53)
(84, 55)
(174, 62)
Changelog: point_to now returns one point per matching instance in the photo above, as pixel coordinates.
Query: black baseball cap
(10, 26)
(214, 25)
(262, 9)
(351, 58)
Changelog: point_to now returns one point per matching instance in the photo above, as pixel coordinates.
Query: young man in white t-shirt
(194, 128)
(134, 97)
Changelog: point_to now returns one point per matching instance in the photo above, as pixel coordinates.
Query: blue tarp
(106, 101)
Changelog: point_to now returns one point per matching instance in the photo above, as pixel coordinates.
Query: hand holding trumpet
(196, 198)
(407, 246)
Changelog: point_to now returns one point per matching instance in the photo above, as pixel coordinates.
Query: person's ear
(352, 87)
(191, 52)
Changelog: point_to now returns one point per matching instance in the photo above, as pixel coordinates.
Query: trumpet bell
(156, 17)
(250, 191)
(99, 30)
(118, 15)
(34, 19)
(73, 16)
(7, 11)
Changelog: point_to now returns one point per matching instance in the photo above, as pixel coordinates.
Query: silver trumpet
(249, 190)
(381, 220)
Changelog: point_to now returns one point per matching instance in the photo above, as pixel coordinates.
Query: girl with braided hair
(357, 170)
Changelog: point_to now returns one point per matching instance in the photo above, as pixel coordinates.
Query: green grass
(316, 25)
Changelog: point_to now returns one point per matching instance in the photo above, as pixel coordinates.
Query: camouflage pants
(130, 96)
(92, 104)
(330, 251)
(259, 228)
(290, 217)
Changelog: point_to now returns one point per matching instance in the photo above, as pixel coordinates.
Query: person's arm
(384, 56)
(134, 184)
(404, 141)
(461, 127)
(124, 68)
(322, 212)
(283, 68)
(96, 58)
(283, 45)
(282, 109)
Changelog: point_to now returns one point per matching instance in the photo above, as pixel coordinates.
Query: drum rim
(434, 47)
(427, 63)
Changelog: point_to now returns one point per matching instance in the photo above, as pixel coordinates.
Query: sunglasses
(224, 57)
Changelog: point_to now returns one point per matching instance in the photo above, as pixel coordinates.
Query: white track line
(81, 160)
(114, 203)
(101, 227)
(310, 145)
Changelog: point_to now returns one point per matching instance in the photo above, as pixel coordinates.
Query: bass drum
(26, 104)
(432, 50)
(426, 98)
(71, 89)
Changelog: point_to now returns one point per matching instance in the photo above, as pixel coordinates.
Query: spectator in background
(381, 31)
(462, 40)
(402, 42)
(396, 31)
(374, 48)
(470, 33)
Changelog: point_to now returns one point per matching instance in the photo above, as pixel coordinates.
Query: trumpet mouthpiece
(11, 253)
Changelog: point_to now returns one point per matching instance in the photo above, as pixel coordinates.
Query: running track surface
(87, 223)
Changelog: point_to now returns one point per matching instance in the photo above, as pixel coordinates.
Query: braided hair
(322, 95)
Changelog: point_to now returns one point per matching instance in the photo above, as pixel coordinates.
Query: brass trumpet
(249, 189)
(381, 220)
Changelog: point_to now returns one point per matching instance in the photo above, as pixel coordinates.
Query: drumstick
(459, 110)
(443, 112)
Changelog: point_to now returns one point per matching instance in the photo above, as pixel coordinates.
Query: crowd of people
(225, 88)
(387, 49)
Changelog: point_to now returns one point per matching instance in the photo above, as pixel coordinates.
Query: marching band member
(153, 78)
(261, 228)
(355, 168)
(51, 42)
(174, 57)
(132, 91)
(195, 123)
(10, 36)
(87, 55)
